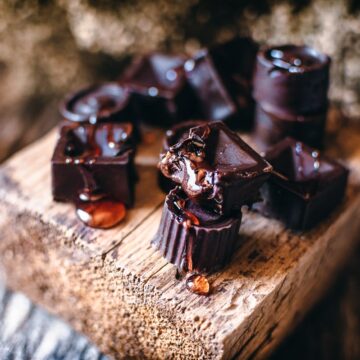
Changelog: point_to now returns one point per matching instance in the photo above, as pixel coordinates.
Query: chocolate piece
(95, 158)
(160, 90)
(305, 186)
(216, 168)
(108, 102)
(222, 78)
(172, 136)
(292, 79)
(193, 238)
(271, 128)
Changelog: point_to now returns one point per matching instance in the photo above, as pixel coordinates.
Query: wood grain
(116, 289)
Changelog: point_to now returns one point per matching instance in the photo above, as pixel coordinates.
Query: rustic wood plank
(331, 329)
(113, 286)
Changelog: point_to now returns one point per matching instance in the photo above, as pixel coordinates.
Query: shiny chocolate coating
(94, 158)
(216, 168)
(98, 103)
(292, 79)
(160, 90)
(193, 238)
(305, 186)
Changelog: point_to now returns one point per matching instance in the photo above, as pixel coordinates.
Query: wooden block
(115, 288)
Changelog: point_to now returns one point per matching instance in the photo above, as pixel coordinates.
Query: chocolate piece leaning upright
(216, 168)
(172, 136)
(194, 238)
(290, 88)
(160, 90)
(222, 79)
(305, 186)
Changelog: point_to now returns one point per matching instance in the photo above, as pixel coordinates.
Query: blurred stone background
(49, 47)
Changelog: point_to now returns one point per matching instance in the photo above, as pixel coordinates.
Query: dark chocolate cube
(99, 158)
(222, 79)
(160, 90)
(305, 186)
(216, 168)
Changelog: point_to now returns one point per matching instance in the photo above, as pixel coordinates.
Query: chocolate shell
(195, 239)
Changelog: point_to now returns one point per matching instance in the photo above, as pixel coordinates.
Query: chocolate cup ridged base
(211, 246)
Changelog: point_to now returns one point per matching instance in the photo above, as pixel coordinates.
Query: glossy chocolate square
(161, 92)
(222, 79)
(95, 158)
(216, 168)
(305, 186)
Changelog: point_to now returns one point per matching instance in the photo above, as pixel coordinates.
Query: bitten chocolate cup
(195, 239)
(99, 158)
(292, 79)
(305, 186)
(172, 136)
(216, 168)
(109, 102)
(271, 128)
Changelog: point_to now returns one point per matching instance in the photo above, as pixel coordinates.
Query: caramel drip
(103, 213)
(198, 284)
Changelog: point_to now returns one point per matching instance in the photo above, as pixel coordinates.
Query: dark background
(50, 47)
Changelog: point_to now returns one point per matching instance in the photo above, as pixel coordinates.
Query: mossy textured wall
(48, 47)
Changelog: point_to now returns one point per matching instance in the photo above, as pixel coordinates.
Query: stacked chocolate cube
(217, 173)
(290, 88)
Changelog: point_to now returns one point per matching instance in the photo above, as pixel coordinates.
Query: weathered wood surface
(116, 289)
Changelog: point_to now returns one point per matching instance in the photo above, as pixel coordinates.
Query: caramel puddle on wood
(103, 213)
(198, 284)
